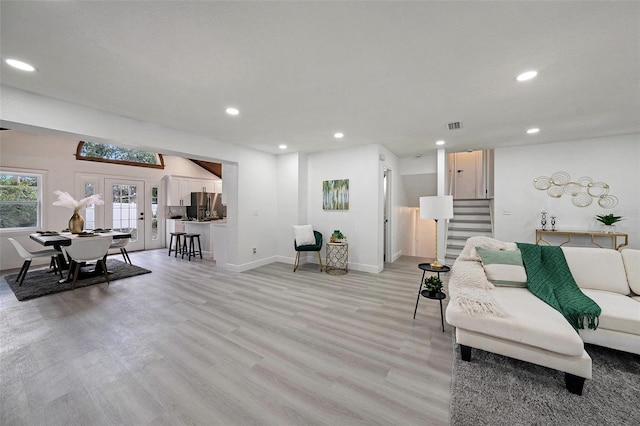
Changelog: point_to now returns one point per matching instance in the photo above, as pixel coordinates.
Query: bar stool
(191, 247)
(181, 243)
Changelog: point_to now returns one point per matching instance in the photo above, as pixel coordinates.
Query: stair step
(471, 219)
(480, 202)
(465, 211)
(470, 227)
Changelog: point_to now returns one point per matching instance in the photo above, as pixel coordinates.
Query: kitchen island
(213, 238)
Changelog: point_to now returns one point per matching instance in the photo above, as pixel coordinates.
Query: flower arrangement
(66, 200)
(76, 223)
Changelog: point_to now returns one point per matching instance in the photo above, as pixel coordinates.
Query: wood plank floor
(193, 344)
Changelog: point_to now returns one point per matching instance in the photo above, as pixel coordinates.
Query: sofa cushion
(528, 320)
(503, 267)
(469, 250)
(619, 313)
(631, 259)
(597, 269)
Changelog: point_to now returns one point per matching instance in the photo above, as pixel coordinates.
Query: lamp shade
(438, 207)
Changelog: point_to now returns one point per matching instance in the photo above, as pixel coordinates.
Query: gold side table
(337, 258)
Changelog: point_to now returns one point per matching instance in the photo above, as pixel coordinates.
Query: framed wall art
(335, 194)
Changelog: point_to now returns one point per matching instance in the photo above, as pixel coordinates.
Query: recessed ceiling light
(20, 65)
(439, 142)
(533, 130)
(527, 75)
(283, 146)
(232, 111)
(338, 135)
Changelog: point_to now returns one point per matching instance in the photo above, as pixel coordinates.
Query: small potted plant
(433, 285)
(337, 236)
(608, 221)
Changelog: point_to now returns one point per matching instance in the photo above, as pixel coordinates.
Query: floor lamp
(438, 207)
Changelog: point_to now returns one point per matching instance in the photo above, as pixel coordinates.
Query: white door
(124, 209)
(467, 175)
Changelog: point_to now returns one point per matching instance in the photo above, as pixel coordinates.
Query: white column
(442, 224)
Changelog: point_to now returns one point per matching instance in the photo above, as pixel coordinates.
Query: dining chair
(29, 256)
(121, 244)
(83, 250)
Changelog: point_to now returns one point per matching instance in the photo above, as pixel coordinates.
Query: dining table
(62, 239)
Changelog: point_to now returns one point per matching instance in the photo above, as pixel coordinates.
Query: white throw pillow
(304, 235)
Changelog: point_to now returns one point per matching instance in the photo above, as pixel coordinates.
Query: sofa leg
(465, 352)
(574, 383)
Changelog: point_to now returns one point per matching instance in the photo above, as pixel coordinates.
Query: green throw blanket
(549, 278)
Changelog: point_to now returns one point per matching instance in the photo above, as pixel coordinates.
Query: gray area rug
(41, 282)
(496, 390)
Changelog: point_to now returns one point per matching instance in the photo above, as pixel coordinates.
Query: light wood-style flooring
(193, 344)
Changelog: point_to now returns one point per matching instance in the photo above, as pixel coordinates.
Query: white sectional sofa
(512, 321)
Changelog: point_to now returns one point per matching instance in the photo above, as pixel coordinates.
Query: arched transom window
(92, 151)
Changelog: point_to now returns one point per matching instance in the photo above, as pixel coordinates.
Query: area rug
(41, 282)
(496, 390)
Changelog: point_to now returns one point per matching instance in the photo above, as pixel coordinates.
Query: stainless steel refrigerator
(205, 205)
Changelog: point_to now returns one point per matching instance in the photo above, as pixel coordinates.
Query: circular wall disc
(555, 191)
(582, 199)
(585, 180)
(542, 183)
(560, 178)
(598, 189)
(572, 188)
(608, 201)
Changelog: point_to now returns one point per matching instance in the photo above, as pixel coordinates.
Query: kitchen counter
(206, 222)
(213, 238)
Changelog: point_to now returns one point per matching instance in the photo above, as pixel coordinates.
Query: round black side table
(439, 296)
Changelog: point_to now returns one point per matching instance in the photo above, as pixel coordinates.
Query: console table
(540, 234)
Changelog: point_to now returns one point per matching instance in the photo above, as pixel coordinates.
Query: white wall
(254, 180)
(292, 203)
(614, 160)
(361, 223)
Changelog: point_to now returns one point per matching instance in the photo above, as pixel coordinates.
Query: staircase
(470, 218)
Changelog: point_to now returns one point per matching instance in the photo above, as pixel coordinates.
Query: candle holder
(553, 223)
(543, 221)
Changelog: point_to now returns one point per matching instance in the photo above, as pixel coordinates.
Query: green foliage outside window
(115, 153)
(18, 201)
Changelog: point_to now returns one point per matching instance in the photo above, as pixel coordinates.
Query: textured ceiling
(393, 73)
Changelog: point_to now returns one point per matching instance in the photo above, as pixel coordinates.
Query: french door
(124, 209)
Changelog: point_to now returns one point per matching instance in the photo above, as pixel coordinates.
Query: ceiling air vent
(455, 125)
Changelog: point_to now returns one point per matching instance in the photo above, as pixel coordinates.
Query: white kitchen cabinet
(210, 185)
(196, 185)
(203, 185)
(217, 186)
(178, 191)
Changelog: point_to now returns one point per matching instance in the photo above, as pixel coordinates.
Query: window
(90, 210)
(154, 213)
(20, 200)
(91, 151)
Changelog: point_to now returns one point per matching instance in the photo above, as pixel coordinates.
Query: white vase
(609, 229)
